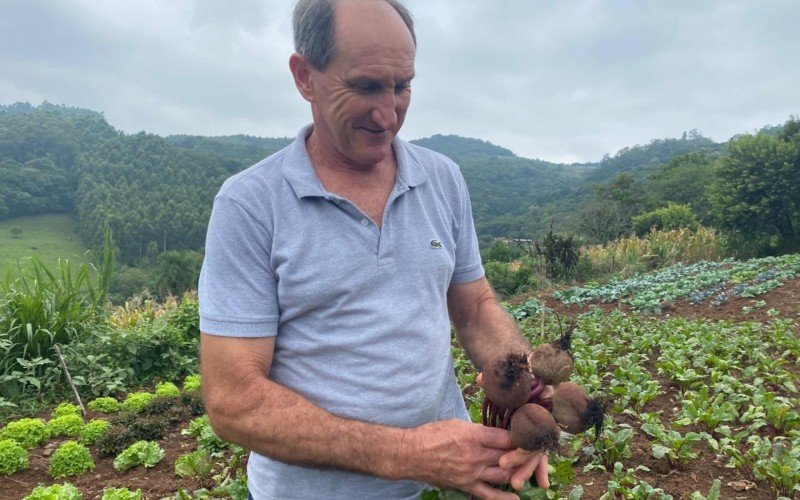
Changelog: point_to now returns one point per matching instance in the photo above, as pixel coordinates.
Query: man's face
(361, 98)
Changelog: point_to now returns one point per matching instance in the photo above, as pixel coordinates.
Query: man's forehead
(370, 23)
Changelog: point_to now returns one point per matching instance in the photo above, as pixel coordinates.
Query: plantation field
(48, 237)
(698, 365)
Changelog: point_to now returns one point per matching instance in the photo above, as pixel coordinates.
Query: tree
(16, 231)
(683, 180)
(756, 192)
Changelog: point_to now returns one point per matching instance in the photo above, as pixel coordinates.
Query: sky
(564, 81)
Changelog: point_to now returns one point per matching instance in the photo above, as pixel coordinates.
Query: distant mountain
(241, 148)
(457, 147)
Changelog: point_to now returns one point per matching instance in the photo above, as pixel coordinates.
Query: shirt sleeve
(237, 288)
(468, 265)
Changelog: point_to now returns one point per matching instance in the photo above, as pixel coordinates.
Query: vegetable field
(698, 366)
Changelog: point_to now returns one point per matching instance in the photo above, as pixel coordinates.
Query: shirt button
(364, 222)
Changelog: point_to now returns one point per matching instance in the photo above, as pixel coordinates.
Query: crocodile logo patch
(435, 244)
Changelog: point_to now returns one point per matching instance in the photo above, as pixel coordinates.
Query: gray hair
(313, 29)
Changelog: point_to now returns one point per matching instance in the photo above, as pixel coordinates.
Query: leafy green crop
(65, 409)
(70, 459)
(192, 383)
(137, 401)
(69, 425)
(147, 453)
(105, 404)
(64, 491)
(195, 464)
(13, 457)
(167, 389)
(93, 431)
(121, 494)
(28, 432)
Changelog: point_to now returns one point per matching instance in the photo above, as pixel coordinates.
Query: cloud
(563, 81)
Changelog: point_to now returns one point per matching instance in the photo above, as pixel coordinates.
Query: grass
(49, 237)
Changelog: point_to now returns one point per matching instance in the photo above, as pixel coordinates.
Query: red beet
(508, 381)
(534, 429)
(575, 411)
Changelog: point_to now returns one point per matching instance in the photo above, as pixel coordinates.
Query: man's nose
(384, 114)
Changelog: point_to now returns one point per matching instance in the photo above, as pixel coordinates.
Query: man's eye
(401, 87)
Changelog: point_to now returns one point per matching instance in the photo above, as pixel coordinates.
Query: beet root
(534, 429)
(507, 382)
(551, 364)
(575, 411)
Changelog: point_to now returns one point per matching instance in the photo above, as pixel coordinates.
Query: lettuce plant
(104, 404)
(13, 457)
(28, 432)
(65, 409)
(195, 464)
(68, 425)
(192, 383)
(93, 431)
(70, 459)
(167, 389)
(137, 401)
(147, 453)
(121, 494)
(64, 491)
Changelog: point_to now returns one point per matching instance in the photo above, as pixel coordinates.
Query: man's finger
(486, 492)
(491, 437)
(479, 380)
(515, 458)
(538, 464)
(495, 475)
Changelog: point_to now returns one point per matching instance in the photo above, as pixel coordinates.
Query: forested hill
(156, 192)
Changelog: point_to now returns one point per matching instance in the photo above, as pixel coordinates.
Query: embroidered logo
(435, 244)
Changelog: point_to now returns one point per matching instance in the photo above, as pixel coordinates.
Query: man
(330, 269)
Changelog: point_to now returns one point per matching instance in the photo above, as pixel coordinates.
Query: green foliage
(509, 279)
(121, 494)
(64, 491)
(194, 403)
(192, 383)
(672, 216)
(28, 432)
(93, 431)
(683, 180)
(69, 425)
(16, 231)
(560, 253)
(672, 445)
(137, 401)
(70, 459)
(48, 237)
(147, 453)
(13, 457)
(167, 389)
(104, 404)
(65, 409)
(195, 464)
(756, 192)
(502, 252)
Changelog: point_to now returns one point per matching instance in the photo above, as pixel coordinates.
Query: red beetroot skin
(507, 382)
(534, 429)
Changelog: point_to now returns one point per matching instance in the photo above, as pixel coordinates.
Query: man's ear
(301, 71)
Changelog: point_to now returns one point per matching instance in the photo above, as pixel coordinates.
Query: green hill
(49, 237)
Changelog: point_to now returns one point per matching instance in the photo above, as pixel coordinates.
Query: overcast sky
(557, 80)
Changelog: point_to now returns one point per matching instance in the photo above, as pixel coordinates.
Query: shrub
(65, 409)
(28, 432)
(104, 404)
(68, 425)
(147, 453)
(13, 457)
(673, 216)
(167, 390)
(192, 383)
(509, 279)
(195, 464)
(70, 459)
(137, 401)
(64, 491)
(560, 253)
(93, 431)
(121, 494)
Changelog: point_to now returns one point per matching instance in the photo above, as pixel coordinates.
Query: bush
(509, 279)
(104, 404)
(137, 401)
(64, 409)
(70, 459)
(673, 216)
(192, 383)
(28, 432)
(560, 253)
(13, 457)
(147, 453)
(93, 431)
(167, 389)
(64, 491)
(121, 494)
(68, 425)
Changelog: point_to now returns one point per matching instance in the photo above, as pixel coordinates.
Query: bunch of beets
(517, 397)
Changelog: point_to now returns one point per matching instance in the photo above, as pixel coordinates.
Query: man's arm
(486, 330)
(248, 409)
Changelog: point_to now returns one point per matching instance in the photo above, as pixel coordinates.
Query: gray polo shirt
(359, 314)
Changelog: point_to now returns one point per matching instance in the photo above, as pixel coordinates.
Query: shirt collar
(299, 172)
